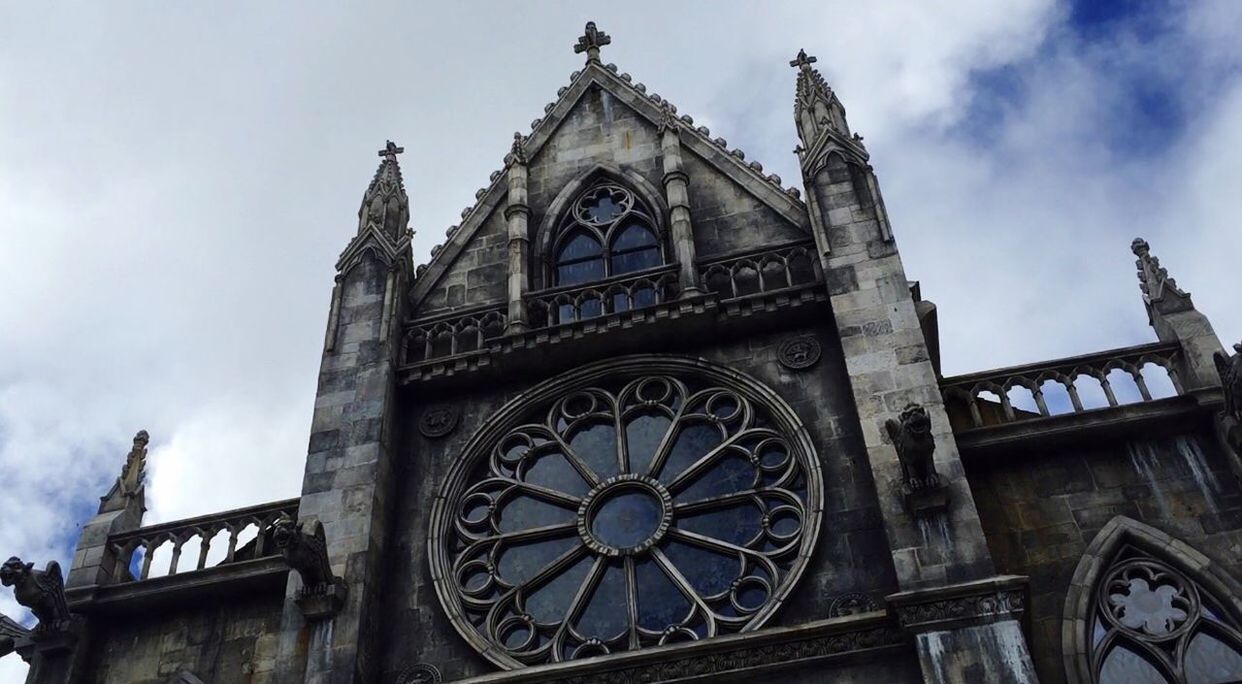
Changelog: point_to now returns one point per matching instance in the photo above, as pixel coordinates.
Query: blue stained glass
(1123, 666)
(606, 616)
(735, 524)
(521, 562)
(628, 262)
(644, 297)
(554, 472)
(590, 308)
(693, 442)
(524, 512)
(549, 603)
(596, 445)
(601, 208)
(709, 572)
(580, 272)
(730, 474)
(643, 434)
(627, 518)
(580, 246)
(660, 604)
(1211, 661)
(633, 236)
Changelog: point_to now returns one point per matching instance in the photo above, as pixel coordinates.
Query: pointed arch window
(608, 232)
(1148, 620)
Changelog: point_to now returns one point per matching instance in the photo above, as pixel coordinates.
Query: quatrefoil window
(637, 508)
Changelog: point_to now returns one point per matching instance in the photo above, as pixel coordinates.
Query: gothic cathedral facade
(649, 415)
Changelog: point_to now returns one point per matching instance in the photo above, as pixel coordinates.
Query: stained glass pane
(521, 562)
(603, 208)
(580, 272)
(660, 604)
(692, 443)
(628, 262)
(552, 470)
(627, 518)
(1211, 661)
(549, 603)
(596, 445)
(729, 474)
(606, 616)
(580, 246)
(643, 434)
(709, 572)
(524, 512)
(736, 524)
(633, 236)
(1123, 666)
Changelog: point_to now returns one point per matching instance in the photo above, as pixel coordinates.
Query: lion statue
(911, 435)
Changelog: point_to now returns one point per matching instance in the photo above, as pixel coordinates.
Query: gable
(603, 121)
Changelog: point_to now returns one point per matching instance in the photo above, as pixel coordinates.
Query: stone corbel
(922, 489)
(305, 550)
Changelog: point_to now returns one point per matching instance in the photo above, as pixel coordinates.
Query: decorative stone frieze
(960, 605)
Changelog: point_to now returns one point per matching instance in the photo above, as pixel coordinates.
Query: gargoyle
(913, 440)
(10, 632)
(1230, 369)
(42, 591)
(305, 549)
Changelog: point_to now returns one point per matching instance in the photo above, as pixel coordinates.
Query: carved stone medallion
(438, 421)
(421, 673)
(852, 604)
(799, 353)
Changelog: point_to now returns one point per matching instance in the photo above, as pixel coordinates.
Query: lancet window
(608, 232)
(1151, 623)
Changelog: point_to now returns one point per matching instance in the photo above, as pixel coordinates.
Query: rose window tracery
(635, 508)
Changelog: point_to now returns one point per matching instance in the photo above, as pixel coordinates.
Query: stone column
(517, 214)
(349, 465)
(678, 197)
(938, 552)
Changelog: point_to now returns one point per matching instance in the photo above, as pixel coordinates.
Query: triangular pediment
(745, 182)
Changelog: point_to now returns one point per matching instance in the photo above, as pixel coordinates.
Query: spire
(131, 482)
(817, 111)
(517, 153)
(385, 203)
(1160, 291)
(591, 41)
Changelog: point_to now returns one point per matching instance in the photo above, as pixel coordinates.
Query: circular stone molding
(799, 353)
(438, 420)
(635, 502)
(421, 673)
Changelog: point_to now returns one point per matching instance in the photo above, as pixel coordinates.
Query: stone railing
(1072, 385)
(759, 271)
(208, 541)
(451, 334)
(618, 294)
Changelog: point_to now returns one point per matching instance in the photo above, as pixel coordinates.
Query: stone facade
(945, 529)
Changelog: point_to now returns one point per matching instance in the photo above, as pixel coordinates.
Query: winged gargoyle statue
(10, 633)
(1230, 369)
(912, 437)
(42, 591)
(305, 549)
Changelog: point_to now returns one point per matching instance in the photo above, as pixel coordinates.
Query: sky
(177, 180)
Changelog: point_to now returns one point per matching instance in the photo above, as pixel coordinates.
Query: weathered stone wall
(852, 554)
(1041, 507)
(222, 642)
(728, 218)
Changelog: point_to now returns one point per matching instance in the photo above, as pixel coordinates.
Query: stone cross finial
(803, 61)
(591, 41)
(391, 151)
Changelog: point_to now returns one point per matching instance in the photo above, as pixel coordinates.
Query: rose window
(646, 506)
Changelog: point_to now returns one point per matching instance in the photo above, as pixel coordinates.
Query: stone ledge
(958, 605)
(186, 588)
(764, 650)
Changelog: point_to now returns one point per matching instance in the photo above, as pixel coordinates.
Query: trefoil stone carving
(42, 591)
(921, 487)
(305, 549)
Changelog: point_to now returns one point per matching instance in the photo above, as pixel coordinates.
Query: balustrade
(767, 270)
(1102, 380)
(449, 335)
(243, 532)
(629, 292)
